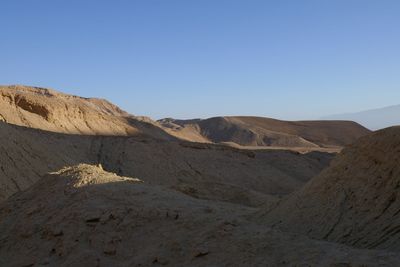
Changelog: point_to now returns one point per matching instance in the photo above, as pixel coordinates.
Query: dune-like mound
(50, 110)
(85, 216)
(356, 201)
(258, 131)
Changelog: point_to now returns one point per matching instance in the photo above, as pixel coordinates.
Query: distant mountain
(259, 131)
(373, 119)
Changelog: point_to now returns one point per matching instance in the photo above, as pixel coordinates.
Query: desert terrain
(266, 132)
(84, 183)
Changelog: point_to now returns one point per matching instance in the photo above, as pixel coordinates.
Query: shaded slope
(356, 201)
(84, 216)
(258, 131)
(50, 110)
(201, 170)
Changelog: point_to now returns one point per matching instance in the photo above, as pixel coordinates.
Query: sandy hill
(355, 201)
(258, 131)
(84, 216)
(50, 110)
(200, 170)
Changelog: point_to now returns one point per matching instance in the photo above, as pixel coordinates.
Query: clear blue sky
(200, 58)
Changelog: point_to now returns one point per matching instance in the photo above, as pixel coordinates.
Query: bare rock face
(356, 201)
(85, 216)
(50, 110)
(265, 132)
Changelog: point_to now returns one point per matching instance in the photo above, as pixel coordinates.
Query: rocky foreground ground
(85, 216)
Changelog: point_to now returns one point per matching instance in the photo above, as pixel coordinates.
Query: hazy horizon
(288, 60)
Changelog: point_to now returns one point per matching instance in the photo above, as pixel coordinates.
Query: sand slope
(355, 201)
(258, 131)
(84, 216)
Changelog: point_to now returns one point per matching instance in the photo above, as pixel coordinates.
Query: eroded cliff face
(50, 110)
